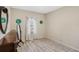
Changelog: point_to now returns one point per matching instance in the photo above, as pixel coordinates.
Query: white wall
(63, 26)
(22, 14)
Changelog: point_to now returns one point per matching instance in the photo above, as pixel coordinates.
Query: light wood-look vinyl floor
(44, 45)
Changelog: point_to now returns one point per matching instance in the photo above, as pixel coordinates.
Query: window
(31, 25)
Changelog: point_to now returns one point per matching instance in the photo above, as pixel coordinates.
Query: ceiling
(38, 9)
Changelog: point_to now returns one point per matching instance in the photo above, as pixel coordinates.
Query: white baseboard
(65, 44)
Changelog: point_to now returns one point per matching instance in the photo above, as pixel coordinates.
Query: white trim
(65, 44)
